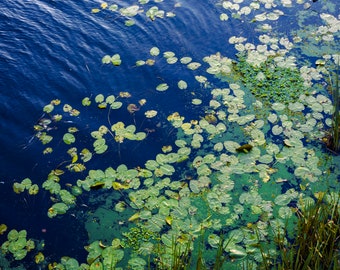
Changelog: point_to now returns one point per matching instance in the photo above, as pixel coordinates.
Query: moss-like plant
(138, 235)
(269, 81)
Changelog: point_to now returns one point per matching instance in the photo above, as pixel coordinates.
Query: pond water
(216, 150)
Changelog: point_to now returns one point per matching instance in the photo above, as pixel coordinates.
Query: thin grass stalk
(264, 256)
(336, 116)
(200, 262)
(219, 258)
(180, 259)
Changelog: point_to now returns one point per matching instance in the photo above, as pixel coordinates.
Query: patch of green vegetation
(138, 235)
(316, 241)
(270, 82)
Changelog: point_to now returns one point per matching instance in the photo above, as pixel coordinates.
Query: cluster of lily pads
(17, 244)
(242, 169)
(151, 11)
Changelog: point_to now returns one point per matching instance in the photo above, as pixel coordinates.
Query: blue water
(53, 49)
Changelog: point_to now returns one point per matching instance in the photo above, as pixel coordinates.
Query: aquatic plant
(274, 80)
(316, 242)
(335, 143)
(17, 244)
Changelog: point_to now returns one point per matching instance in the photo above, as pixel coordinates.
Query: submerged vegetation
(247, 185)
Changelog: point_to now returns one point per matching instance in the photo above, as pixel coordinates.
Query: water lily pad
(48, 108)
(162, 87)
(69, 138)
(172, 60)
(282, 199)
(57, 209)
(151, 165)
(130, 11)
(106, 59)
(168, 54)
(182, 84)
(196, 101)
(193, 65)
(185, 60)
(140, 63)
(154, 51)
(115, 59)
(33, 190)
(150, 113)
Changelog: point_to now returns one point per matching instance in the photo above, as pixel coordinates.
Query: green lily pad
(151, 165)
(130, 22)
(106, 59)
(33, 190)
(115, 59)
(154, 51)
(137, 263)
(111, 256)
(282, 199)
(48, 108)
(168, 54)
(57, 209)
(130, 11)
(193, 65)
(185, 60)
(162, 87)
(167, 169)
(182, 85)
(69, 138)
(171, 60)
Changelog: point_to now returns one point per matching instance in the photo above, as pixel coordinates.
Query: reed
(332, 138)
(317, 241)
(184, 257)
(336, 114)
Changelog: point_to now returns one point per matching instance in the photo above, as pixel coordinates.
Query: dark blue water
(53, 49)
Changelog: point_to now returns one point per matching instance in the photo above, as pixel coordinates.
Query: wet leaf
(69, 138)
(162, 87)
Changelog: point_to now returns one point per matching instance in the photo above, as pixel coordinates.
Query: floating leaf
(106, 59)
(115, 59)
(57, 209)
(196, 101)
(116, 105)
(130, 11)
(48, 108)
(162, 87)
(282, 199)
(182, 84)
(69, 138)
(168, 54)
(185, 60)
(137, 263)
(99, 98)
(130, 22)
(172, 60)
(154, 51)
(150, 113)
(95, 10)
(33, 190)
(140, 63)
(86, 155)
(193, 65)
